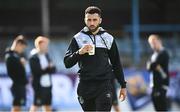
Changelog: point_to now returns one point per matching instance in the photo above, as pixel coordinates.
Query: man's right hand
(85, 49)
(23, 61)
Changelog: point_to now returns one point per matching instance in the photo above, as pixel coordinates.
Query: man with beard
(96, 52)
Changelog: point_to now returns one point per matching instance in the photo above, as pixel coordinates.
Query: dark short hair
(92, 10)
(20, 39)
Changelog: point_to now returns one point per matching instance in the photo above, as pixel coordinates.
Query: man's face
(43, 46)
(154, 43)
(21, 47)
(92, 21)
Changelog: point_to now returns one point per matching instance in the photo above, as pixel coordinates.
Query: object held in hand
(92, 51)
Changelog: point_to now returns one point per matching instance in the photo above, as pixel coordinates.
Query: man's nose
(91, 22)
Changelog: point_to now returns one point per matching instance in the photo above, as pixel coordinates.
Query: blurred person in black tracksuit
(96, 52)
(115, 103)
(158, 66)
(15, 64)
(41, 68)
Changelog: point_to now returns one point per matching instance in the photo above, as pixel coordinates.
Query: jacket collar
(87, 31)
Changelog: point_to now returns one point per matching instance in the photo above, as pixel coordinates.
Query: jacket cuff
(123, 85)
(76, 54)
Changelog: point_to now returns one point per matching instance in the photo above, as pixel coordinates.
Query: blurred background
(129, 21)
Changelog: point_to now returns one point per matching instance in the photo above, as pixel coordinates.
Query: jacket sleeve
(116, 64)
(36, 67)
(162, 59)
(72, 56)
(51, 69)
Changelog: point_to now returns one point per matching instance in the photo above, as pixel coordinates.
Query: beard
(94, 29)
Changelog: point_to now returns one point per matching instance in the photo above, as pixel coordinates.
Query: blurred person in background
(41, 68)
(96, 52)
(158, 67)
(15, 64)
(115, 103)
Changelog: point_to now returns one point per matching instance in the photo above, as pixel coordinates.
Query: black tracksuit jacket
(36, 70)
(15, 69)
(161, 59)
(100, 66)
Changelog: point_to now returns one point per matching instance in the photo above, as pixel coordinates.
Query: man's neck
(41, 52)
(160, 48)
(95, 32)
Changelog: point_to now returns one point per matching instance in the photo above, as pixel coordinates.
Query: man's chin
(93, 29)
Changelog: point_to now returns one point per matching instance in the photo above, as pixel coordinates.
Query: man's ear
(100, 20)
(85, 20)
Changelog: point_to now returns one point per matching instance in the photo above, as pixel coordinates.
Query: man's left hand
(122, 94)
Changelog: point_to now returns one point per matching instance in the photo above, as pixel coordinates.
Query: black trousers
(95, 96)
(159, 99)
